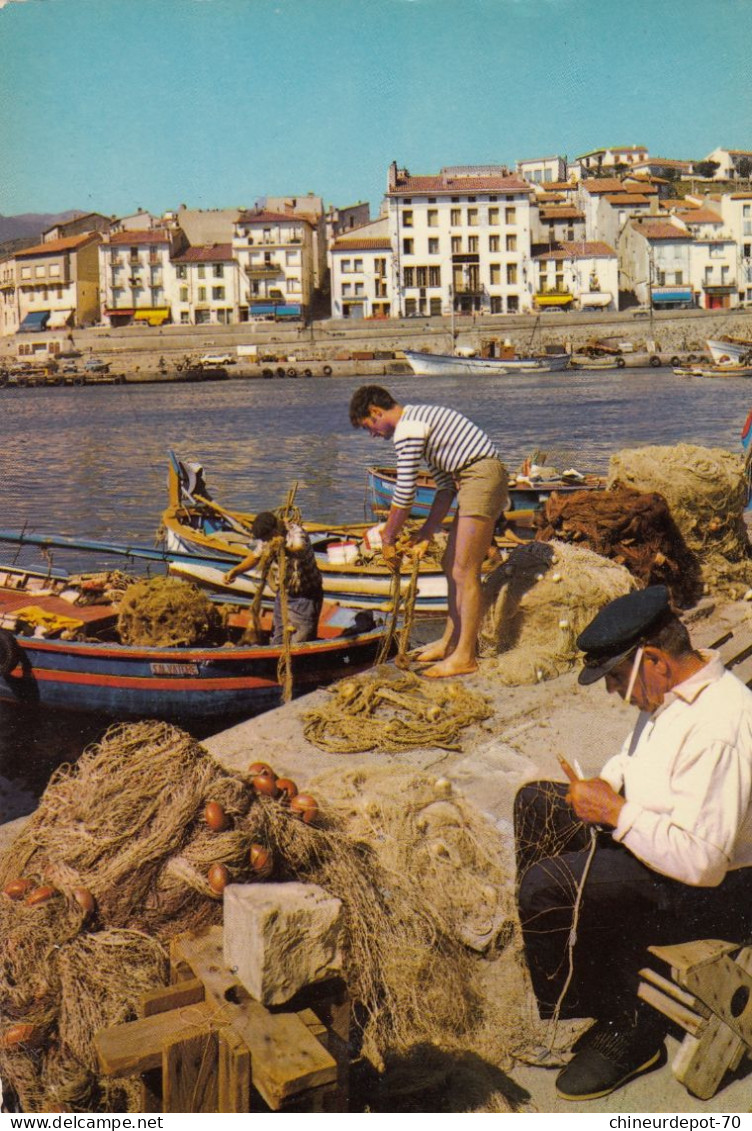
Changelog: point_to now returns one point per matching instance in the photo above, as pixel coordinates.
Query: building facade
(460, 240)
(137, 276)
(57, 283)
(361, 272)
(275, 255)
(207, 286)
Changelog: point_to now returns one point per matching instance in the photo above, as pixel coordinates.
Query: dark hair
(671, 636)
(265, 526)
(364, 397)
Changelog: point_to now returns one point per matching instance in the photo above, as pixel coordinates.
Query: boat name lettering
(174, 669)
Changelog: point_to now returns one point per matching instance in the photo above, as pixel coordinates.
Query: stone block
(279, 938)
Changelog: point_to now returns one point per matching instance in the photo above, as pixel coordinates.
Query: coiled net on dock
(706, 490)
(127, 826)
(538, 603)
(380, 710)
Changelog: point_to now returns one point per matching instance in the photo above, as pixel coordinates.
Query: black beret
(619, 628)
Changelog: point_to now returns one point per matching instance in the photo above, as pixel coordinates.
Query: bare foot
(431, 653)
(449, 667)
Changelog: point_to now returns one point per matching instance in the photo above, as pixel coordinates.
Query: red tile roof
(457, 186)
(134, 238)
(599, 185)
(55, 247)
(627, 198)
(660, 230)
(565, 212)
(272, 218)
(700, 216)
(365, 243)
(578, 249)
(549, 197)
(209, 253)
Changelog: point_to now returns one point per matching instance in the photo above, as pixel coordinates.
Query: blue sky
(110, 105)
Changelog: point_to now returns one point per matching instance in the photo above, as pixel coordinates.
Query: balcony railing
(265, 271)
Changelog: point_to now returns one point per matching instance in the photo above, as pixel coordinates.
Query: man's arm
(247, 563)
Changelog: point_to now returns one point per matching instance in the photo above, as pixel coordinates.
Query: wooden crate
(202, 1044)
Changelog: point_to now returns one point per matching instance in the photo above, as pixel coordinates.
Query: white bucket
(342, 553)
(372, 537)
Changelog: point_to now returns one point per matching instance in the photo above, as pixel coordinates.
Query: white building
(361, 272)
(137, 276)
(57, 283)
(207, 286)
(655, 262)
(736, 209)
(730, 162)
(577, 275)
(275, 253)
(615, 159)
(460, 238)
(543, 170)
(713, 259)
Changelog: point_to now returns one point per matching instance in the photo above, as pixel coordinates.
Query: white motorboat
(448, 365)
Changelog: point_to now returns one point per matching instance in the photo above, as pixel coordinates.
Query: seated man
(655, 850)
(302, 578)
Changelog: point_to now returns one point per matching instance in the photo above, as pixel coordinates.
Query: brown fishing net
(538, 603)
(706, 490)
(632, 528)
(122, 841)
(165, 611)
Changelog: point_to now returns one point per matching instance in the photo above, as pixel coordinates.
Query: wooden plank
(717, 985)
(151, 1090)
(187, 992)
(285, 1057)
(234, 1074)
(682, 957)
(136, 1046)
(189, 1073)
(671, 1008)
(672, 990)
(704, 1063)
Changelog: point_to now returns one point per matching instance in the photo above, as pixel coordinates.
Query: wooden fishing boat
(450, 365)
(526, 495)
(39, 665)
(736, 351)
(197, 528)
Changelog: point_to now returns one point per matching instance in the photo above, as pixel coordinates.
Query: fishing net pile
(538, 603)
(631, 527)
(167, 612)
(134, 845)
(380, 710)
(706, 490)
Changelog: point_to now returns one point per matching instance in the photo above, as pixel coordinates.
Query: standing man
(655, 850)
(464, 462)
(302, 578)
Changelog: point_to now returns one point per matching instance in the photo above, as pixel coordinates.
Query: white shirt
(686, 774)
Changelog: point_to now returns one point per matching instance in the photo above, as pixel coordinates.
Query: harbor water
(93, 462)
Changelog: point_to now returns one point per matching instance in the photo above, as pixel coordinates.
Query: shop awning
(34, 320)
(672, 294)
(260, 309)
(59, 319)
(120, 312)
(154, 316)
(596, 298)
(291, 311)
(553, 299)
(719, 288)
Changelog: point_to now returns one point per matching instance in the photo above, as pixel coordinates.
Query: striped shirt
(446, 439)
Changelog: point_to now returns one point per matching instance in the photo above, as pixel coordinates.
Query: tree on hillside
(744, 168)
(706, 169)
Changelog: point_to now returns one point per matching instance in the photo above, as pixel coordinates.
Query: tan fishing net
(706, 490)
(122, 842)
(166, 612)
(538, 603)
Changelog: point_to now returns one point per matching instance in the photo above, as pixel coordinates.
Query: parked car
(65, 354)
(217, 359)
(96, 365)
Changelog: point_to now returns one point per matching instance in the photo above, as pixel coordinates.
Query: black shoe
(606, 1057)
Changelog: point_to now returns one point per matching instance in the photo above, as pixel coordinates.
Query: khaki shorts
(482, 489)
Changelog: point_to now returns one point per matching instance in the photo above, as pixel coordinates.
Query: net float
(39, 896)
(257, 768)
(305, 807)
(218, 878)
(18, 889)
(265, 785)
(85, 900)
(287, 788)
(23, 1033)
(261, 860)
(215, 817)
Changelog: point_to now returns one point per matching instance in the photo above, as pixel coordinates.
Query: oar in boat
(126, 550)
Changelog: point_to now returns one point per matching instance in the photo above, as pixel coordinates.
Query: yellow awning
(553, 299)
(155, 317)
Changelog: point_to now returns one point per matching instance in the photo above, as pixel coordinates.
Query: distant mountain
(30, 225)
